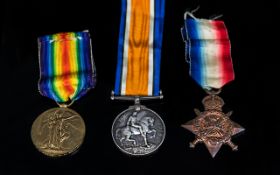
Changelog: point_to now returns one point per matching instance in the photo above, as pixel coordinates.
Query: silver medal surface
(138, 131)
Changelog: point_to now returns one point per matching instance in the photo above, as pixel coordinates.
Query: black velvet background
(23, 21)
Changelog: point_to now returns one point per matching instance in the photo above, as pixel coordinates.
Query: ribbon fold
(139, 48)
(208, 51)
(67, 69)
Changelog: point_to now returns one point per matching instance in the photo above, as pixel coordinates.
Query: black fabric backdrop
(23, 21)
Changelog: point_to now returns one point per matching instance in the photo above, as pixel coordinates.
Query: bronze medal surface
(213, 127)
(58, 132)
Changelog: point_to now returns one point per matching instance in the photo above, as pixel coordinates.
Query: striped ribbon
(208, 51)
(139, 48)
(67, 70)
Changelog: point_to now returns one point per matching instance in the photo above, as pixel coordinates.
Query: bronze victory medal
(58, 131)
(213, 127)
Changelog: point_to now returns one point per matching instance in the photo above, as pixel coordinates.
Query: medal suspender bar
(139, 130)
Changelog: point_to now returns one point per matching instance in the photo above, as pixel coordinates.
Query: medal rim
(75, 149)
(129, 153)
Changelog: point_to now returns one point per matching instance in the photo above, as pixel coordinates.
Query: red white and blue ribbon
(208, 51)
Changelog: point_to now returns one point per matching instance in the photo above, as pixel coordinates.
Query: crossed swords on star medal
(213, 127)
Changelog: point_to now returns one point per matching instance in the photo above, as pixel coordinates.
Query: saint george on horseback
(136, 125)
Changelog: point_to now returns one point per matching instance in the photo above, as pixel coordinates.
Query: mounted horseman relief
(138, 130)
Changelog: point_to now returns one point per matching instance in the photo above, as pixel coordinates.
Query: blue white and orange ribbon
(208, 51)
(139, 48)
(67, 69)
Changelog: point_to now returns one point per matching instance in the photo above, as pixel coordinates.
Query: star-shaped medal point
(213, 127)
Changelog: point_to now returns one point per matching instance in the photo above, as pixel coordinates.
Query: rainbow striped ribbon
(208, 50)
(139, 50)
(67, 70)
